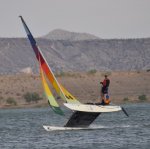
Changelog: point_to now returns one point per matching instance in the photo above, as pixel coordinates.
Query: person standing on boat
(104, 91)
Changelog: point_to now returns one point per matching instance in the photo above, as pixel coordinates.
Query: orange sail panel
(53, 103)
(61, 91)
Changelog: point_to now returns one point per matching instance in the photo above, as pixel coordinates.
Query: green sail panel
(51, 100)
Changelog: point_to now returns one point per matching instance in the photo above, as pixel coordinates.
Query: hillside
(16, 54)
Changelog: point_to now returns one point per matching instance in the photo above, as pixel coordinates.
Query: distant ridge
(59, 34)
(16, 54)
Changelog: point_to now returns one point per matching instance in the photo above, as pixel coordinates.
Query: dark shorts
(105, 90)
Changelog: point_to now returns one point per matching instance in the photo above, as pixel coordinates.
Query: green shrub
(142, 97)
(66, 74)
(11, 101)
(92, 71)
(32, 97)
(1, 97)
(60, 74)
(126, 99)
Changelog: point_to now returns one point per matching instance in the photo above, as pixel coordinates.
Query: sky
(103, 18)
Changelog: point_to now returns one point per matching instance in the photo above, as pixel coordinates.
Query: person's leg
(102, 96)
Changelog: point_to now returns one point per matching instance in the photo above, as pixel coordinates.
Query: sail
(61, 91)
(51, 100)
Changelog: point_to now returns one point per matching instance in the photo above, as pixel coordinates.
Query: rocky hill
(16, 54)
(59, 34)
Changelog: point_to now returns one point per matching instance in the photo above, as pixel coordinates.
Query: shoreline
(44, 106)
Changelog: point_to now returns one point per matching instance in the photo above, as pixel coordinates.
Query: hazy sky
(103, 18)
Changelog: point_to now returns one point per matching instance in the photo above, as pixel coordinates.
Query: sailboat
(83, 114)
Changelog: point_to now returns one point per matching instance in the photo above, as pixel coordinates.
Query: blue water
(22, 129)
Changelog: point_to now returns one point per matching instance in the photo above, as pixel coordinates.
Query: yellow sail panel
(52, 79)
(69, 96)
(62, 92)
(53, 103)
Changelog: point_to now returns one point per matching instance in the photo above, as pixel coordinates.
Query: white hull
(54, 128)
(93, 108)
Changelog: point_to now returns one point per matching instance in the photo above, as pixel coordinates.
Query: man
(104, 91)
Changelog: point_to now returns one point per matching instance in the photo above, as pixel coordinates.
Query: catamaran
(83, 114)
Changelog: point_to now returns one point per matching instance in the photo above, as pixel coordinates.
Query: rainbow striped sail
(61, 91)
(51, 100)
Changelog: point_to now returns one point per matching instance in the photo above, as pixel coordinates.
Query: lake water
(22, 129)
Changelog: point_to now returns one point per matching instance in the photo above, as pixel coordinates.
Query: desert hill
(79, 64)
(84, 55)
(59, 34)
